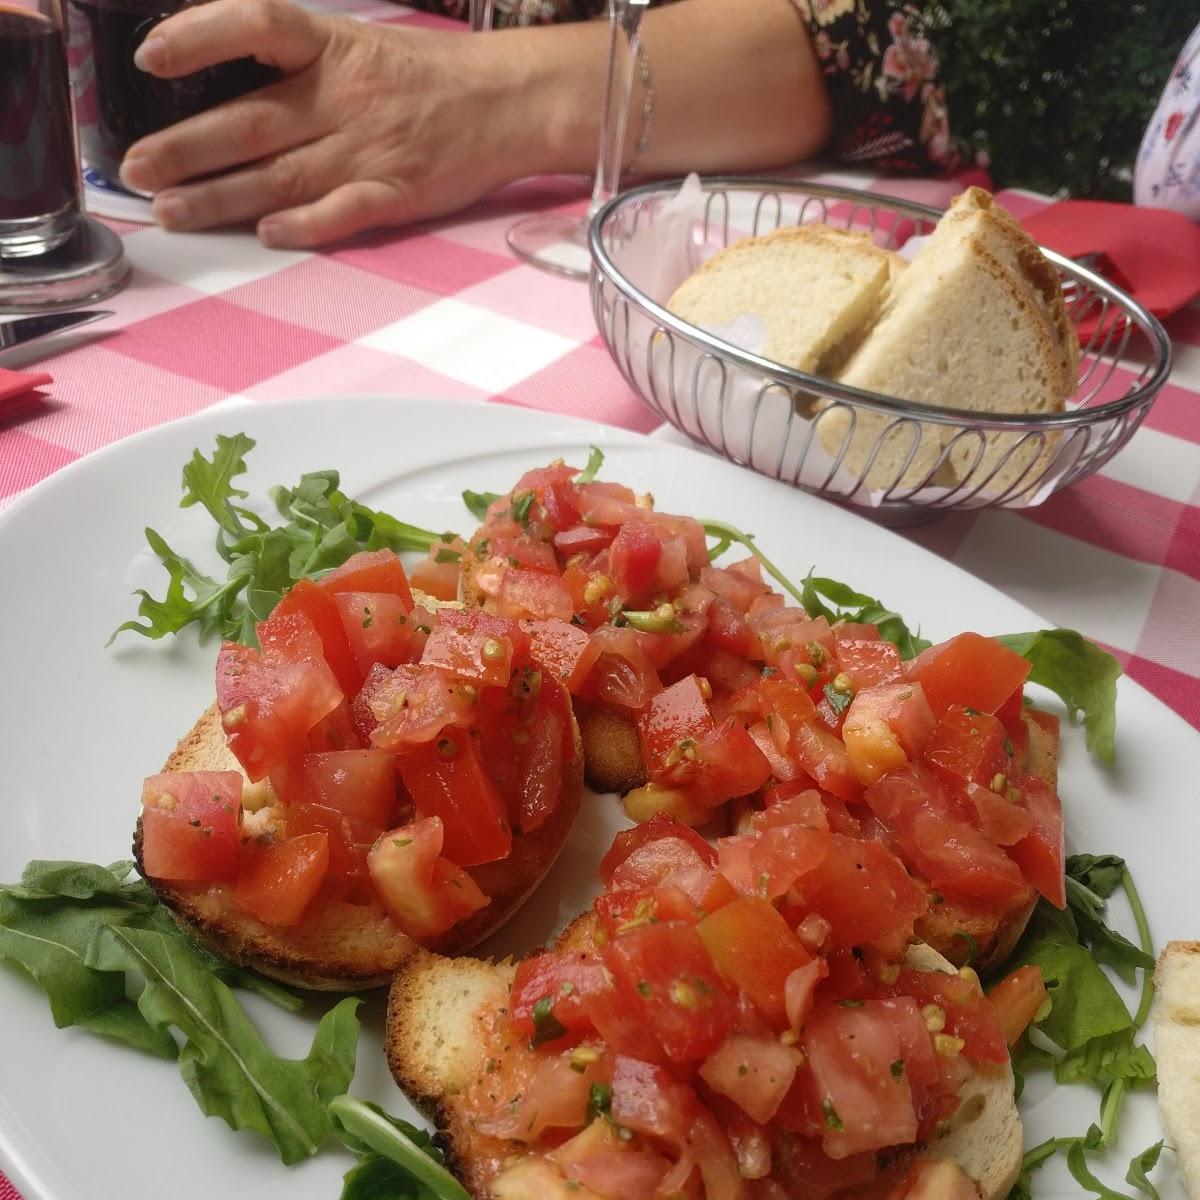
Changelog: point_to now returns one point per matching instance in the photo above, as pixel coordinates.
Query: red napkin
(16, 390)
(1152, 253)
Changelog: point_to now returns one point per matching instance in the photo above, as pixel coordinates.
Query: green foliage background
(1058, 92)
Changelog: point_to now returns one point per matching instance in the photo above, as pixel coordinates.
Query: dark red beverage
(38, 168)
(118, 103)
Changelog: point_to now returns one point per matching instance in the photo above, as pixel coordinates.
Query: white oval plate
(81, 725)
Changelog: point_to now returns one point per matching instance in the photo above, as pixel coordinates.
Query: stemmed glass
(555, 242)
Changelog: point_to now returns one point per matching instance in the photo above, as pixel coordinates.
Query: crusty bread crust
(446, 1031)
(349, 947)
(1177, 1050)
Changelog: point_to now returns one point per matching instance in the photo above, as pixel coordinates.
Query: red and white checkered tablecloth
(444, 310)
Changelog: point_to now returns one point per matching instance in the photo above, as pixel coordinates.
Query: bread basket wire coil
(804, 429)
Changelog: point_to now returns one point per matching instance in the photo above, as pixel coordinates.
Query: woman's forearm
(736, 86)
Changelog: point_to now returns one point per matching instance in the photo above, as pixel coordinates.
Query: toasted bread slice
(451, 1050)
(347, 947)
(814, 288)
(1177, 1051)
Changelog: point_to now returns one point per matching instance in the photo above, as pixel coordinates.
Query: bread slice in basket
(1177, 1050)
(446, 1037)
(814, 288)
(976, 322)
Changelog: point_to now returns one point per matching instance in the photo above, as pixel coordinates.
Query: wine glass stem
(624, 38)
(480, 14)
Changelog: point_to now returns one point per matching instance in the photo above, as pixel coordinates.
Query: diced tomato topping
(551, 988)
(808, 1173)
(664, 972)
(865, 1104)
(626, 909)
(603, 503)
(885, 727)
(665, 860)
(565, 651)
(470, 654)
(976, 671)
(968, 746)
(268, 707)
(968, 1014)
(523, 593)
(278, 881)
(447, 780)
(865, 894)
(622, 675)
(754, 1072)
(190, 825)
(371, 571)
(322, 609)
(359, 783)
(728, 630)
(1016, 1000)
(674, 720)
(752, 946)
(738, 587)
(939, 839)
(425, 893)
(869, 662)
(411, 705)
(637, 554)
(824, 758)
(770, 863)
(377, 627)
(542, 769)
(1040, 854)
(583, 539)
(349, 840)
(438, 579)
(661, 825)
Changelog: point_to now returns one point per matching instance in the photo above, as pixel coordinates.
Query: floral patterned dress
(889, 106)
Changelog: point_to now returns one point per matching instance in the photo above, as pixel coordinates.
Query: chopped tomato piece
(792, 804)
(371, 571)
(1016, 1000)
(754, 1072)
(377, 628)
(542, 769)
(269, 707)
(665, 860)
(583, 539)
(471, 654)
(865, 894)
(938, 838)
(968, 746)
(808, 1173)
(447, 780)
(565, 651)
(277, 882)
(885, 727)
(550, 989)
(411, 705)
(824, 758)
(670, 725)
(337, 731)
(970, 669)
(869, 662)
(736, 587)
(799, 991)
(968, 1014)
(623, 675)
(438, 579)
(607, 503)
(190, 825)
(940, 1179)
(600, 1160)
(627, 908)
(661, 825)
(425, 893)
(648, 1100)
(519, 552)
(664, 972)
(728, 630)
(1040, 854)
(636, 556)
(752, 946)
(359, 783)
(865, 1104)
(532, 594)
(323, 611)
(770, 863)
(349, 839)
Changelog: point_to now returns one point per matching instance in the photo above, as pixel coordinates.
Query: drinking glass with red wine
(39, 164)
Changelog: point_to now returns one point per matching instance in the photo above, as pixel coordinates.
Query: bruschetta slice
(382, 773)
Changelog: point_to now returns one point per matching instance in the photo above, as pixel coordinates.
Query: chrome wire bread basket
(873, 451)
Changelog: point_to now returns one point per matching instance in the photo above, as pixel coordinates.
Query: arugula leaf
(1099, 873)
(594, 463)
(478, 503)
(224, 1061)
(396, 1160)
(1082, 675)
(1077, 1165)
(50, 940)
(1106, 944)
(1033, 1159)
(855, 606)
(322, 527)
(1138, 1168)
(49, 879)
(210, 482)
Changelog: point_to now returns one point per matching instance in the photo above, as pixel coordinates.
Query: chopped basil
(898, 1068)
(599, 1101)
(546, 1026)
(832, 1120)
(839, 701)
(521, 504)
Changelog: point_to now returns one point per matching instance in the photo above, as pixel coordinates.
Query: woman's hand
(369, 125)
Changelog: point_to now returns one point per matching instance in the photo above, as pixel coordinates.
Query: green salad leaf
(229, 1069)
(396, 1160)
(478, 503)
(592, 467)
(320, 528)
(849, 605)
(1082, 675)
(1138, 1168)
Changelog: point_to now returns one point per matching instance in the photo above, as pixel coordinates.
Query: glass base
(552, 243)
(31, 237)
(88, 266)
